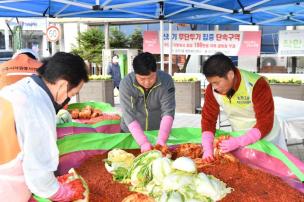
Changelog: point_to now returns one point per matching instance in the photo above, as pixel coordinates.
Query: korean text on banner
(232, 43)
(291, 43)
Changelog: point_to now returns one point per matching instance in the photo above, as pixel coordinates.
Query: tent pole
(170, 48)
(255, 5)
(106, 35)
(62, 45)
(105, 53)
(53, 48)
(54, 45)
(207, 6)
(161, 24)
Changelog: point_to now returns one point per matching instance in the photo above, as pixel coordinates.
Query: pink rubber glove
(145, 147)
(207, 142)
(164, 130)
(69, 191)
(234, 143)
(139, 136)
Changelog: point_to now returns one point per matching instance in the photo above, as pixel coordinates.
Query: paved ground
(194, 120)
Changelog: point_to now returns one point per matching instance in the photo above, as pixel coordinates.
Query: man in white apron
(28, 151)
(246, 99)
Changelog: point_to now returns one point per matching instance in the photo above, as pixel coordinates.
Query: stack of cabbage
(164, 179)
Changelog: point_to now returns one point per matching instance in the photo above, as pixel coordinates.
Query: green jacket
(147, 110)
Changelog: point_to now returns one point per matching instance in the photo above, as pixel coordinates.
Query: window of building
(2, 39)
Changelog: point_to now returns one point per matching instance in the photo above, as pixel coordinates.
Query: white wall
(248, 63)
(70, 34)
(194, 64)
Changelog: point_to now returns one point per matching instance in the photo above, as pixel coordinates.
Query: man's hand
(164, 130)
(139, 136)
(234, 143)
(229, 145)
(145, 147)
(161, 142)
(78, 188)
(207, 143)
(70, 191)
(208, 156)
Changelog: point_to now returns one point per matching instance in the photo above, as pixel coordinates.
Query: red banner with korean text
(232, 43)
(151, 42)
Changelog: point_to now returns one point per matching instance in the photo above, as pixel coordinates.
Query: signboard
(151, 42)
(231, 43)
(29, 24)
(291, 43)
(52, 33)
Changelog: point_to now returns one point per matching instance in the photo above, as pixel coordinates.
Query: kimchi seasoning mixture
(101, 185)
(251, 184)
(248, 184)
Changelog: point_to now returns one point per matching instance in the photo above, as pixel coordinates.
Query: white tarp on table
(291, 117)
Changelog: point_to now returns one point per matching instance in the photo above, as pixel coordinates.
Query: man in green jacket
(147, 98)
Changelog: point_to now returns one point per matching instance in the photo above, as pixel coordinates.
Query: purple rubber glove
(164, 130)
(207, 142)
(234, 143)
(139, 136)
(69, 191)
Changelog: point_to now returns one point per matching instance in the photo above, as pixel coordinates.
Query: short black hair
(218, 65)
(115, 56)
(144, 64)
(45, 59)
(67, 66)
(30, 55)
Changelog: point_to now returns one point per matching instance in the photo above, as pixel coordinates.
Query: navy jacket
(114, 71)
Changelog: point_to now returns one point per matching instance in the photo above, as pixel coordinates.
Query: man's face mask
(115, 59)
(60, 106)
(65, 102)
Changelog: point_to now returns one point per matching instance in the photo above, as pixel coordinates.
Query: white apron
(34, 124)
(12, 183)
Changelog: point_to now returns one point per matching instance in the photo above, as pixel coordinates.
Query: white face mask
(115, 60)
